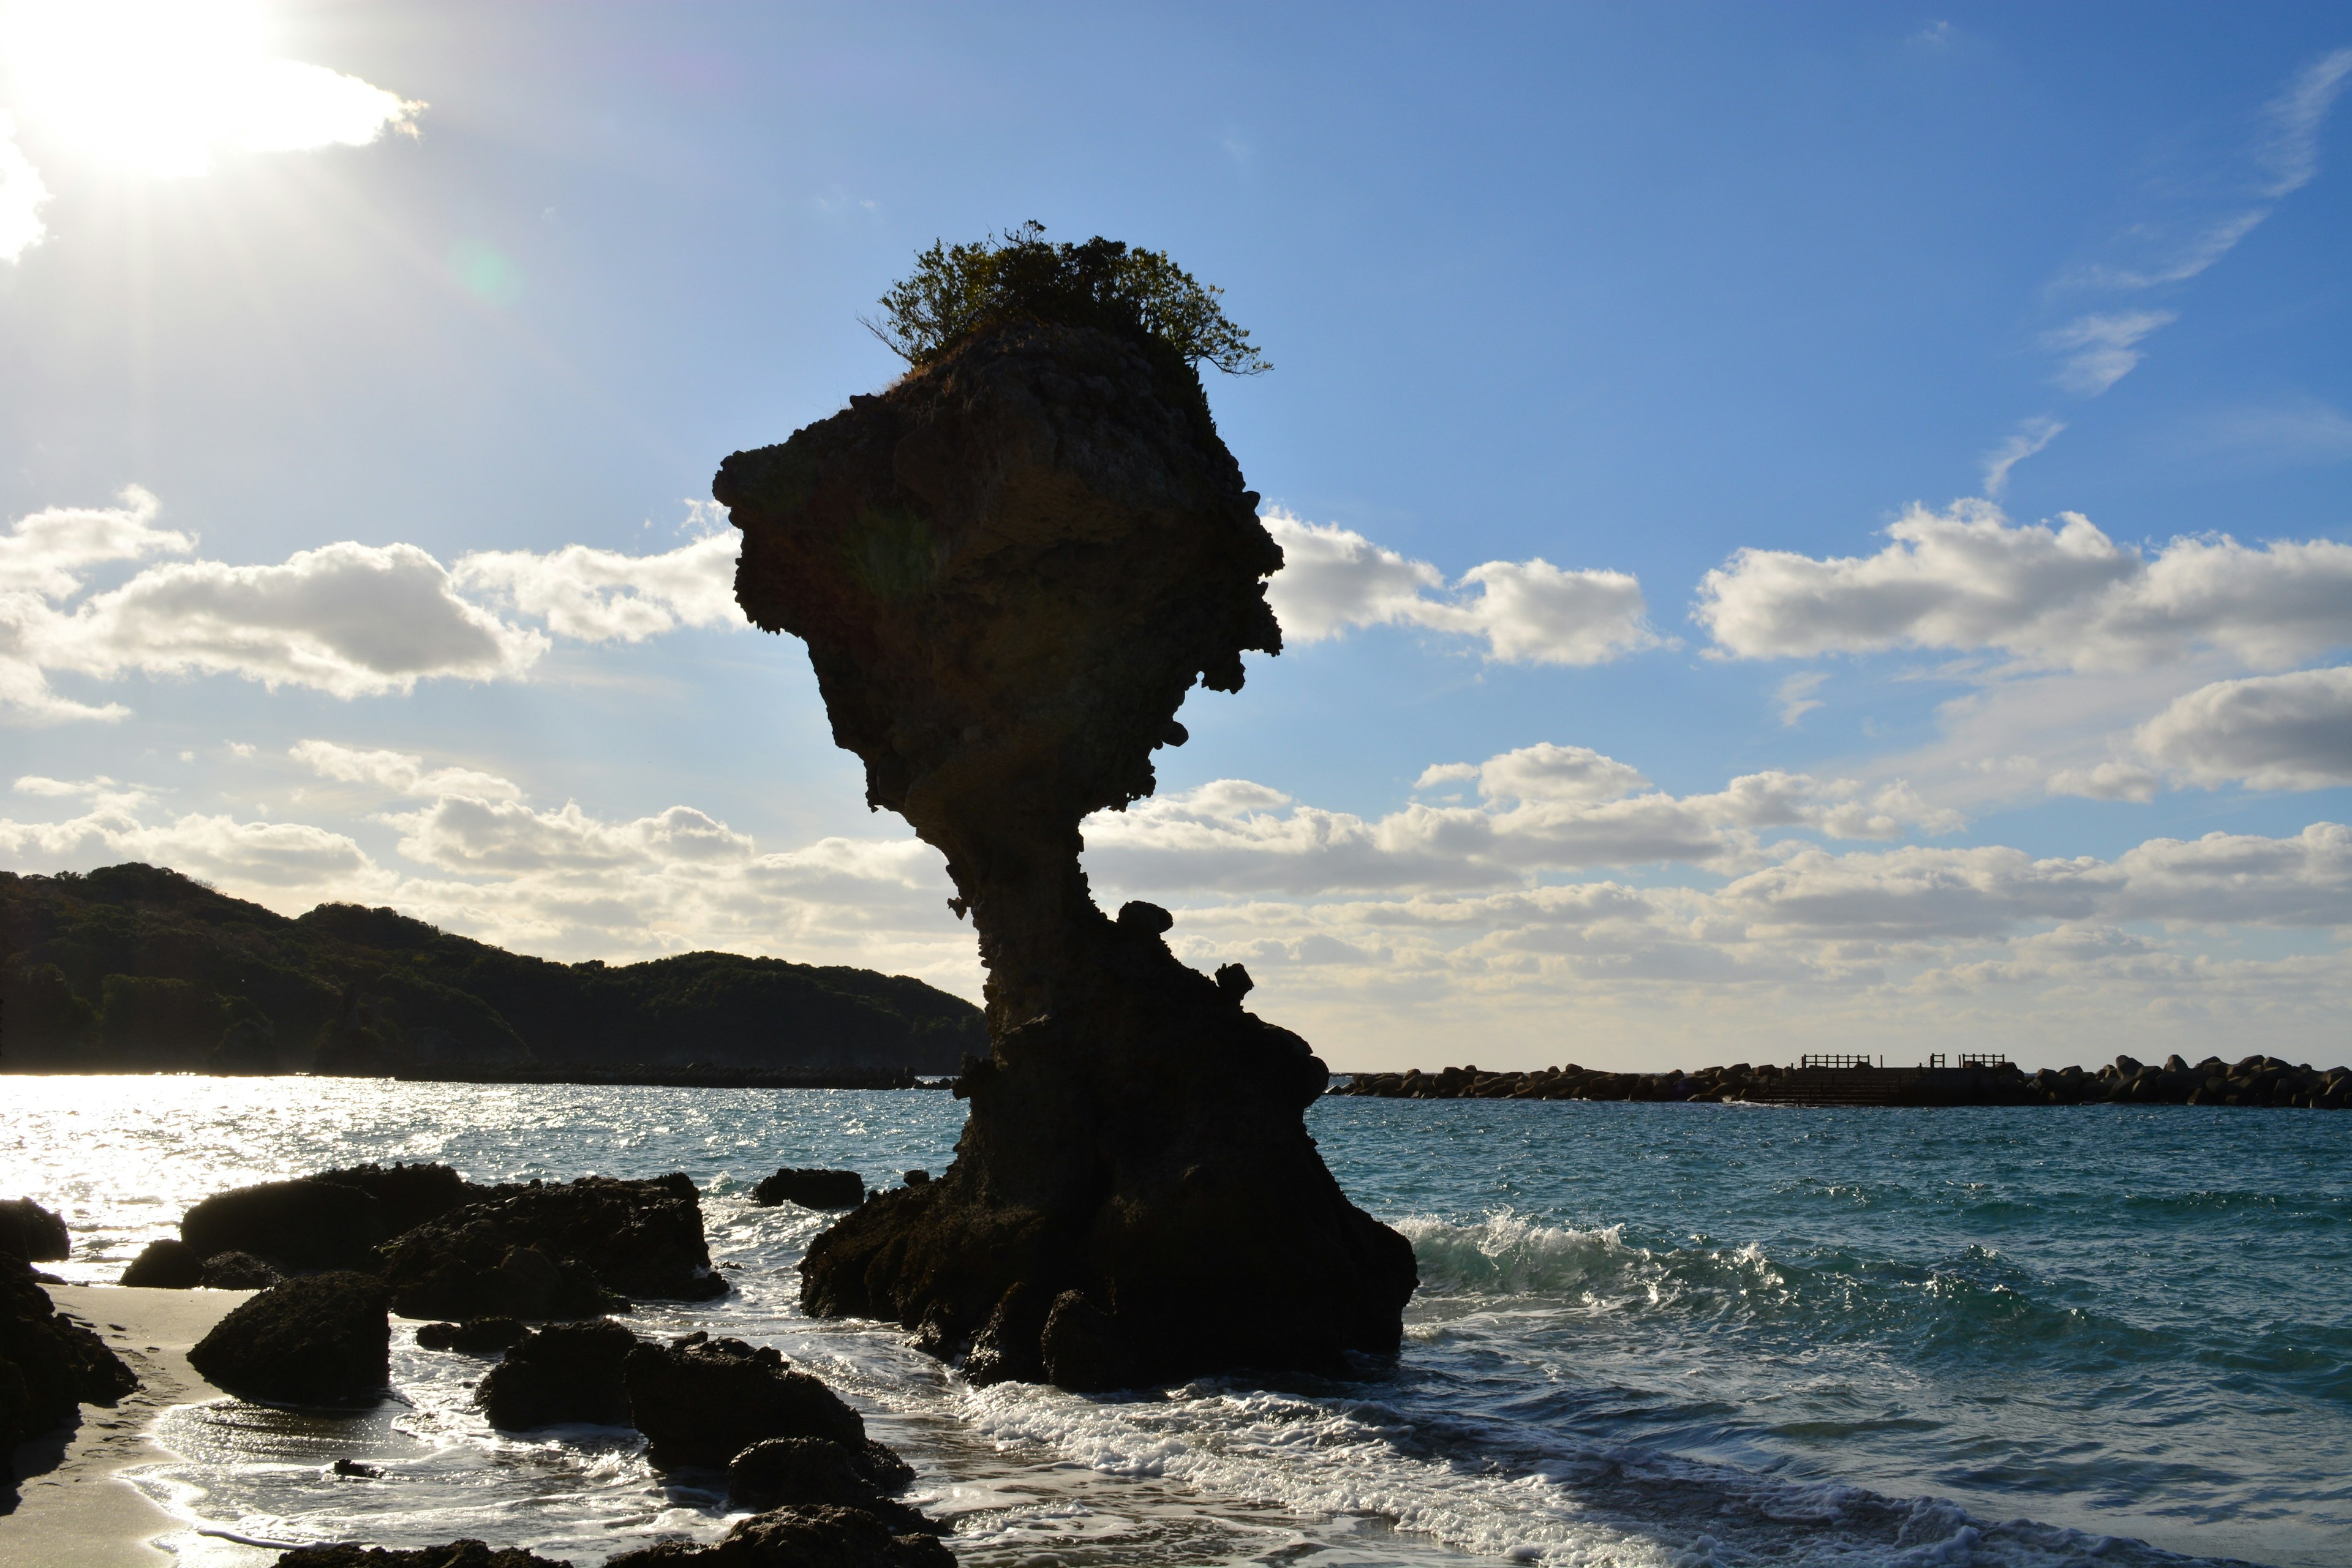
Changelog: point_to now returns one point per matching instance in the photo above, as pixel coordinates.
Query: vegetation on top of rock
(136, 968)
(957, 289)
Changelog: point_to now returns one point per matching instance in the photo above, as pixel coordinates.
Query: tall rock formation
(1009, 570)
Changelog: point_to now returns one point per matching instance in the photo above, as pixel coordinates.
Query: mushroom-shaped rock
(321, 1340)
(1009, 569)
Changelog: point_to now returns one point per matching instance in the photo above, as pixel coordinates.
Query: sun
(166, 86)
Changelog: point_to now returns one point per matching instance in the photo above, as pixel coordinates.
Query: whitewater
(1646, 1335)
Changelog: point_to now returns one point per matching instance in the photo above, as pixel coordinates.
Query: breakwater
(2255, 1080)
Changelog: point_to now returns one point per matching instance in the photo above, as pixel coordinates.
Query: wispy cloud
(2029, 438)
(1795, 696)
(2102, 350)
(2296, 116)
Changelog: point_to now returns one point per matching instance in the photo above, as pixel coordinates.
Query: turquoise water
(1647, 1334)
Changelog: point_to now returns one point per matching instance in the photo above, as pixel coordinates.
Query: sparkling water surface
(1646, 1334)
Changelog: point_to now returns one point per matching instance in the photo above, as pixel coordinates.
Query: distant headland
(135, 968)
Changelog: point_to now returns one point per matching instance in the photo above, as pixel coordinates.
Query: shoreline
(74, 1508)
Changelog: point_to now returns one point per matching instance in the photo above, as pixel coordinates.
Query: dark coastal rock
(49, 1364)
(32, 1233)
(560, 1373)
(481, 1336)
(1082, 1347)
(1010, 568)
(455, 1554)
(299, 1224)
(166, 1265)
(810, 1472)
(409, 1196)
(237, 1271)
(819, 1537)
(322, 1340)
(702, 1401)
(573, 1250)
(811, 1189)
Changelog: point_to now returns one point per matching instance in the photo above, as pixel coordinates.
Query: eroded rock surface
(564, 1372)
(572, 1250)
(1009, 570)
(49, 1365)
(324, 1340)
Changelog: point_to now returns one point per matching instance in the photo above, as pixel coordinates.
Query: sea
(1656, 1335)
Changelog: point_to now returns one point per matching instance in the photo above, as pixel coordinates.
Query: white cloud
(1794, 697)
(598, 595)
(2114, 778)
(2100, 351)
(2297, 115)
(2274, 732)
(167, 86)
(1967, 579)
(2029, 438)
(1528, 612)
(21, 195)
(398, 772)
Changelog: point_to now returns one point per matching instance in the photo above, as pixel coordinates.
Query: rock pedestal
(1009, 570)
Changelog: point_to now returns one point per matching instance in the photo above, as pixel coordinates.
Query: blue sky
(1644, 383)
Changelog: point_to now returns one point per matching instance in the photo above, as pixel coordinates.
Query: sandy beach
(75, 1509)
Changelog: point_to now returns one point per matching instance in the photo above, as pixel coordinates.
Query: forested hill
(138, 969)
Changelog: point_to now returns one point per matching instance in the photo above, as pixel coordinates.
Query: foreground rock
(802, 1538)
(166, 1265)
(573, 1250)
(455, 1554)
(2253, 1081)
(563, 1374)
(1009, 570)
(32, 1233)
(324, 1340)
(49, 1365)
(238, 1271)
(481, 1336)
(296, 1225)
(811, 1189)
(700, 1402)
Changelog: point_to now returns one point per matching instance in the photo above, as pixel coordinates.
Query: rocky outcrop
(409, 1196)
(700, 1402)
(800, 1538)
(298, 1225)
(811, 1189)
(32, 1233)
(573, 1250)
(1009, 570)
(560, 1373)
(49, 1365)
(455, 1554)
(481, 1336)
(166, 1265)
(818, 1472)
(238, 1271)
(324, 1340)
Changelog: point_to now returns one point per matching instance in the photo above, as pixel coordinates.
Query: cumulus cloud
(602, 595)
(21, 195)
(1528, 612)
(349, 619)
(2114, 778)
(1967, 579)
(2274, 732)
(2100, 351)
(397, 773)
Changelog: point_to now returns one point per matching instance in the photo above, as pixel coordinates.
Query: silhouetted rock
(565, 1251)
(702, 1401)
(455, 1554)
(237, 1271)
(32, 1233)
(1082, 1347)
(409, 1194)
(481, 1336)
(49, 1365)
(811, 1189)
(322, 1340)
(798, 1538)
(808, 1472)
(166, 1265)
(301, 1224)
(564, 1372)
(1009, 569)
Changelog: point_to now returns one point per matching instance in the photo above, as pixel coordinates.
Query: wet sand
(74, 1509)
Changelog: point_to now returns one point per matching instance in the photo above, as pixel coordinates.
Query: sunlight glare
(165, 86)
